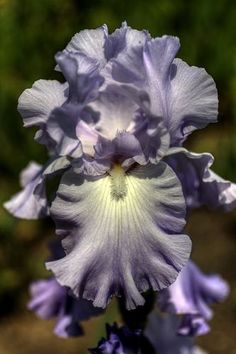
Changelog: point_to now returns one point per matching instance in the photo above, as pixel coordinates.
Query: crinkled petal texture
(190, 295)
(184, 97)
(161, 331)
(123, 233)
(30, 203)
(193, 100)
(36, 104)
(201, 186)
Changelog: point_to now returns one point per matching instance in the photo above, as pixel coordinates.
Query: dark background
(31, 32)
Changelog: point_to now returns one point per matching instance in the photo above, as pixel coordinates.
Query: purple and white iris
(114, 131)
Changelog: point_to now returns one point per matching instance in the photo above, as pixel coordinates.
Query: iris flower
(114, 130)
(191, 296)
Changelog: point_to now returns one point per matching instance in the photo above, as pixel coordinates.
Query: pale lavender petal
(193, 102)
(116, 112)
(49, 299)
(142, 210)
(201, 186)
(218, 191)
(30, 203)
(91, 43)
(36, 104)
(127, 66)
(158, 55)
(81, 74)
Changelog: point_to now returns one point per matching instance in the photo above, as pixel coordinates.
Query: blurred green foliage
(32, 31)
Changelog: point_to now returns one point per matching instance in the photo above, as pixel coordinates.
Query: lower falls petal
(123, 233)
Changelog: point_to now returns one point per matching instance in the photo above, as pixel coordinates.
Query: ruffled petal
(193, 100)
(158, 55)
(91, 43)
(191, 295)
(31, 202)
(201, 186)
(124, 233)
(36, 104)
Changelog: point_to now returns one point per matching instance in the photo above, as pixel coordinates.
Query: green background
(31, 32)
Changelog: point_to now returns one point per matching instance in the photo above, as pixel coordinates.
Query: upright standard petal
(31, 202)
(190, 295)
(184, 97)
(193, 100)
(158, 56)
(36, 104)
(123, 233)
(91, 43)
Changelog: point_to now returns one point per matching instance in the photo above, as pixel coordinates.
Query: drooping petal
(162, 329)
(191, 295)
(201, 186)
(30, 203)
(193, 102)
(124, 233)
